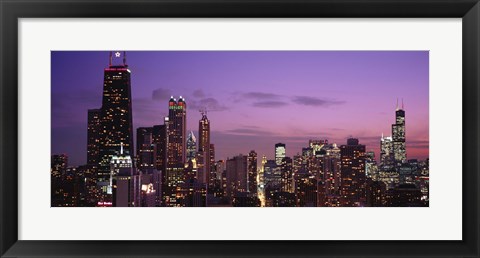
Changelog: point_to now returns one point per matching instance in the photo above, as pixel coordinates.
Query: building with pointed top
(398, 137)
(191, 146)
(111, 125)
(177, 132)
(176, 129)
(204, 166)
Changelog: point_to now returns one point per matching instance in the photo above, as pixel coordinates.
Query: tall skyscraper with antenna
(176, 126)
(115, 114)
(204, 166)
(398, 136)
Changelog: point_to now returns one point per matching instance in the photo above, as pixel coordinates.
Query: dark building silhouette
(213, 173)
(93, 136)
(116, 115)
(252, 172)
(237, 176)
(244, 199)
(306, 190)
(283, 199)
(58, 169)
(160, 137)
(376, 191)
(404, 195)
(353, 174)
(204, 160)
(145, 148)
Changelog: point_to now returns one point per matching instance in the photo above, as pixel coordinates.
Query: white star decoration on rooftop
(117, 54)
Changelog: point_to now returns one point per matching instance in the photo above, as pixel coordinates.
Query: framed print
(224, 128)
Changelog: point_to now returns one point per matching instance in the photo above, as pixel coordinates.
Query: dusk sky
(255, 98)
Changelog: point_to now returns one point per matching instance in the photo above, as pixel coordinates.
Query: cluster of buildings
(171, 167)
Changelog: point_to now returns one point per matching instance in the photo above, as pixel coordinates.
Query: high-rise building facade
(213, 173)
(160, 139)
(387, 158)
(204, 167)
(237, 176)
(116, 114)
(175, 176)
(177, 132)
(125, 183)
(280, 153)
(252, 172)
(145, 148)
(93, 136)
(353, 181)
(398, 137)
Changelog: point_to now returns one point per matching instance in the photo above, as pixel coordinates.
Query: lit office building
(237, 176)
(387, 158)
(306, 190)
(287, 175)
(94, 130)
(376, 191)
(116, 114)
(317, 145)
(371, 169)
(125, 183)
(353, 174)
(252, 172)
(280, 153)
(204, 167)
(174, 175)
(398, 137)
(160, 137)
(212, 173)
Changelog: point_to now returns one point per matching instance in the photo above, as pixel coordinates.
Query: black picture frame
(11, 11)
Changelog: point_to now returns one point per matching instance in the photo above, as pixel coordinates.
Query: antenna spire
(397, 104)
(110, 62)
(402, 103)
(124, 58)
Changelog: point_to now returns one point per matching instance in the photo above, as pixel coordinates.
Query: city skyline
(253, 108)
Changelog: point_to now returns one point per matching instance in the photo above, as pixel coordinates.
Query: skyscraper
(204, 167)
(175, 175)
(177, 132)
(387, 157)
(353, 182)
(280, 153)
(145, 148)
(287, 175)
(160, 137)
(93, 136)
(116, 114)
(252, 172)
(398, 137)
(237, 176)
(213, 173)
(125, 182)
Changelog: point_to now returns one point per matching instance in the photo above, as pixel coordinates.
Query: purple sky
(256, 98)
